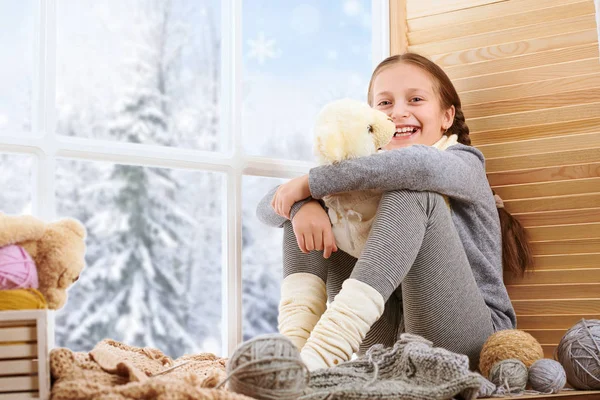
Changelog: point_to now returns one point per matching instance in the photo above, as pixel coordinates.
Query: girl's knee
(408, 197)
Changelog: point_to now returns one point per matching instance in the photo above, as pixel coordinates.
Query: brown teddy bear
(57, 248)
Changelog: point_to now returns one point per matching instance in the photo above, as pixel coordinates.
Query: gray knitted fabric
(412, 370)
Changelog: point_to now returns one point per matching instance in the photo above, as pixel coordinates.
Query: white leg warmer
(344, 325)
(303, 301)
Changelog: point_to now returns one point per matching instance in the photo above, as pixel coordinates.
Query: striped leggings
(415, 259)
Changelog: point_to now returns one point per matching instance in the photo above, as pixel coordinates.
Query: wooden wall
(528, 73)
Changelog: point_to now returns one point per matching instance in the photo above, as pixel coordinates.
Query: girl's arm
(456, 172)
(267, 215)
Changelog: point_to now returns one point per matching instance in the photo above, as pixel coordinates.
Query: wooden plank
(502, 9)
(554, 291)
(398, 27)
(575, 127)
(420, 8)
(45, 334)
(20, 396)
(17, 334)
(518, 19)
(566, 261)
(547, 189)
(28, 316)
(531, 46)
(552, 321)
(538, 117)
(16, 383)
(566, 394)
(548, 351)
(547, 336)
(584, 96)
(543, 145)
(574, 246)
(525, 61)
(548, 174)
(538, 88)
(16, 323)
(559, 217)
(521, 34)
(542, 160)
(574, 275)
(561, 232)
(18, 351)
(18, 367)
(570, 202)
(562, 306)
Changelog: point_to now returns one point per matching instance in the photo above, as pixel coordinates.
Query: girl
(426, 269)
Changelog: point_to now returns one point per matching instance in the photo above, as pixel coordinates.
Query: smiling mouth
(405, 132)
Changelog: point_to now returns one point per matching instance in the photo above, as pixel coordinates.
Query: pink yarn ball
(17, 269)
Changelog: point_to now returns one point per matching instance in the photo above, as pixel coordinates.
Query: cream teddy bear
(347, 129)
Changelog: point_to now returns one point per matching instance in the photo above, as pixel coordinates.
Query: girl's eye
(383, 103)
(416, 99)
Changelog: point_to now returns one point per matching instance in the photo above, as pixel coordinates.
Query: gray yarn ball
(267, 367)
(547, 376)
(509, 374)
(579, 354)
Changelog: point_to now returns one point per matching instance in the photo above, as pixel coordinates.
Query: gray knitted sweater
(459, 173)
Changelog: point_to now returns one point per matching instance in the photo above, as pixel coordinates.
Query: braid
(459, 127)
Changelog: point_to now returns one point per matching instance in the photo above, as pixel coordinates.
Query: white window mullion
(231, 109)
(45, 114)
(380, 18)
(276, 168)
(141, 155)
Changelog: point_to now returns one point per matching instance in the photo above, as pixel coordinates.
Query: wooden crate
(26, 338)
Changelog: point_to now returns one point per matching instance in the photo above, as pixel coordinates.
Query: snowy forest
(149, 72)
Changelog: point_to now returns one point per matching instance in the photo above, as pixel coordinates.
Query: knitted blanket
(411, 370)
(116, 371)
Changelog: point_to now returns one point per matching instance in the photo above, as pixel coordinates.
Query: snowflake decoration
(262, 48)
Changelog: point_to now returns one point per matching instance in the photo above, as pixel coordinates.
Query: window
(16, 69)
(297, 56)
(160, 125)
(17, 183)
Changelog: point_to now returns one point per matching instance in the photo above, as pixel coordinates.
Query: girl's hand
(289, 193)
(313, 229)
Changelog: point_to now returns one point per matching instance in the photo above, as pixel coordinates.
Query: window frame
(46, 146)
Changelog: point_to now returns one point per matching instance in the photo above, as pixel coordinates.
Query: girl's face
(407, 94)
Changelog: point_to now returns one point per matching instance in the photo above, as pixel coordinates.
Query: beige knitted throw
(116, 371)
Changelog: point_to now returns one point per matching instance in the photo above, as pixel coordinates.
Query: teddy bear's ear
(329, 144)
(73, 225)
(19, 228)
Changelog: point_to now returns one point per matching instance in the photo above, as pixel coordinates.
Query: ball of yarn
(547, 376)
(510, 343)
(510, 374)
(17, 269)
(22, 299)
(579, 354)
(267, 367)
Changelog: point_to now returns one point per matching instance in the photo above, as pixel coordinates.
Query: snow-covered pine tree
(134, 289)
